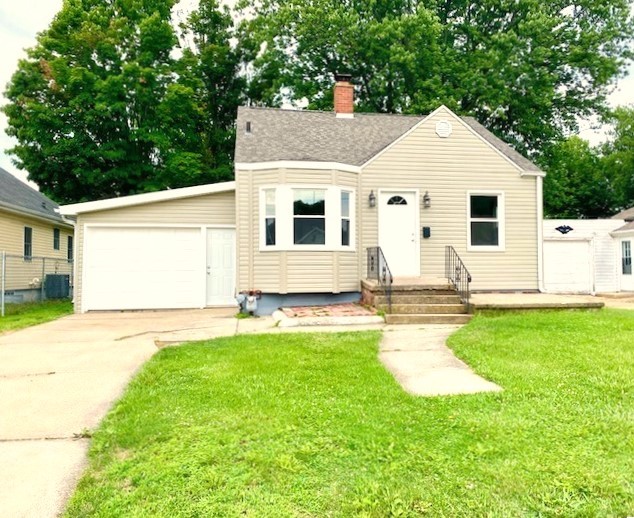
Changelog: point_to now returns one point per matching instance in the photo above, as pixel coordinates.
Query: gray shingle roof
(519, 160)
(627, 226)
(627, 215)
(316, 136)
(16, 195)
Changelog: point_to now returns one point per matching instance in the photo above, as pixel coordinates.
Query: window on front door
(485, 221)
(626, 258)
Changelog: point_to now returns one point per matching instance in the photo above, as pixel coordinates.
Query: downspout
(540, 233)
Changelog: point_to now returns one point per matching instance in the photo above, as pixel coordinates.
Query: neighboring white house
(588, 255)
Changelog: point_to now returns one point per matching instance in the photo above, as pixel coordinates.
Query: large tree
(103, 107)
(527, 69)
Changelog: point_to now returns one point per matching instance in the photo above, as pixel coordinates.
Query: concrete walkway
(424, 366)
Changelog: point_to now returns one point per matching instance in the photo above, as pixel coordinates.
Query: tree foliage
(525, 68)
(101, 107)
(576, 185)
(618, 155)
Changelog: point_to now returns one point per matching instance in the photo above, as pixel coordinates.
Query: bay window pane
(309, 231)
(345, 232)
(270, 231)
(269, 195)
(484, 206)
(309, 202)
(484, 233)
(345, 204)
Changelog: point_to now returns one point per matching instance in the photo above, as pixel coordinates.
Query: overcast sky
(21, 20)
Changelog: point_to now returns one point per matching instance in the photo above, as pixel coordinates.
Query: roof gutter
(21, 211)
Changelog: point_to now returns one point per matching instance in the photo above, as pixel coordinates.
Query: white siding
(290, 271)
(448, 168)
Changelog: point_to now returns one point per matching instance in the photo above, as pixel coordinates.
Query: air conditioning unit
(57, 286)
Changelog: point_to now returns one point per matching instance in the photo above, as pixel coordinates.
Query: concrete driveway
(58, 380)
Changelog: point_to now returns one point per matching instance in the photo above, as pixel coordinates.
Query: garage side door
(143, 268)
(567, 266)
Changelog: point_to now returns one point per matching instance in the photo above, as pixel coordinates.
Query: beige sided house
(315, 194)
(31, 228)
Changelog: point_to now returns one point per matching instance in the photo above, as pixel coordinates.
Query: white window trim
(284, 218)
(501, 219)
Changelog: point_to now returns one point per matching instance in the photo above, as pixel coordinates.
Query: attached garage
(167, 250)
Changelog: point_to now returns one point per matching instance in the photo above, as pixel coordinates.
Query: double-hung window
(345, 218)
(269, 220)
(28, 243)
(626, 257)
(56, 239)
(309, 217)
(69, 249)
(485, 226)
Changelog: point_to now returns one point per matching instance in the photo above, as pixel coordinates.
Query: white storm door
(627, 268)
(221, 267)
(398, 232)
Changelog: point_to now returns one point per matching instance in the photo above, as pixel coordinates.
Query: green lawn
(312, 425)
(18, 316)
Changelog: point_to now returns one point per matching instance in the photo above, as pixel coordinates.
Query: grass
(18, 316)
(312, 425)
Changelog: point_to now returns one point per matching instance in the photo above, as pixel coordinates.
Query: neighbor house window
(309, 217)
(485, 221)
(345, 218)
(626, 248)
(28, 242)
(269, 220)
(69, 250)
(56, 238)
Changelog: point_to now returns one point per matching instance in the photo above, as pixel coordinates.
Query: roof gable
(627, 215)
(17, 196)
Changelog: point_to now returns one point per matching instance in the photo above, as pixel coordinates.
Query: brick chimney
(344, 96)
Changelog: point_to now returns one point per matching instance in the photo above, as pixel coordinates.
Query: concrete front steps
(418, 301)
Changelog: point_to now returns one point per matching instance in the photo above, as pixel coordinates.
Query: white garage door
(567, 266)
(143, 268)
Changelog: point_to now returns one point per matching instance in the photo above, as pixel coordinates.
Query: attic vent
(43, 205)
(248, 127)
(443, 129)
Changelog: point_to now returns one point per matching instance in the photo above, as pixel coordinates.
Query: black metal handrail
(457, 274)
(379, 270)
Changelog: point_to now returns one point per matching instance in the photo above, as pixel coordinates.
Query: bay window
(306, 217)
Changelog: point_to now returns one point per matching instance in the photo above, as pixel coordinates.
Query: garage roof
(149, 197)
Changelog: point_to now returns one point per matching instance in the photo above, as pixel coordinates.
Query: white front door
(627, 268)
(221, 266)
(398, 232)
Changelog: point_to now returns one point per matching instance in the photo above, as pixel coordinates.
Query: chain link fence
(33, 279)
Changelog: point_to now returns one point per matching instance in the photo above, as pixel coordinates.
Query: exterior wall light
(372, 200)
(426, 200)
